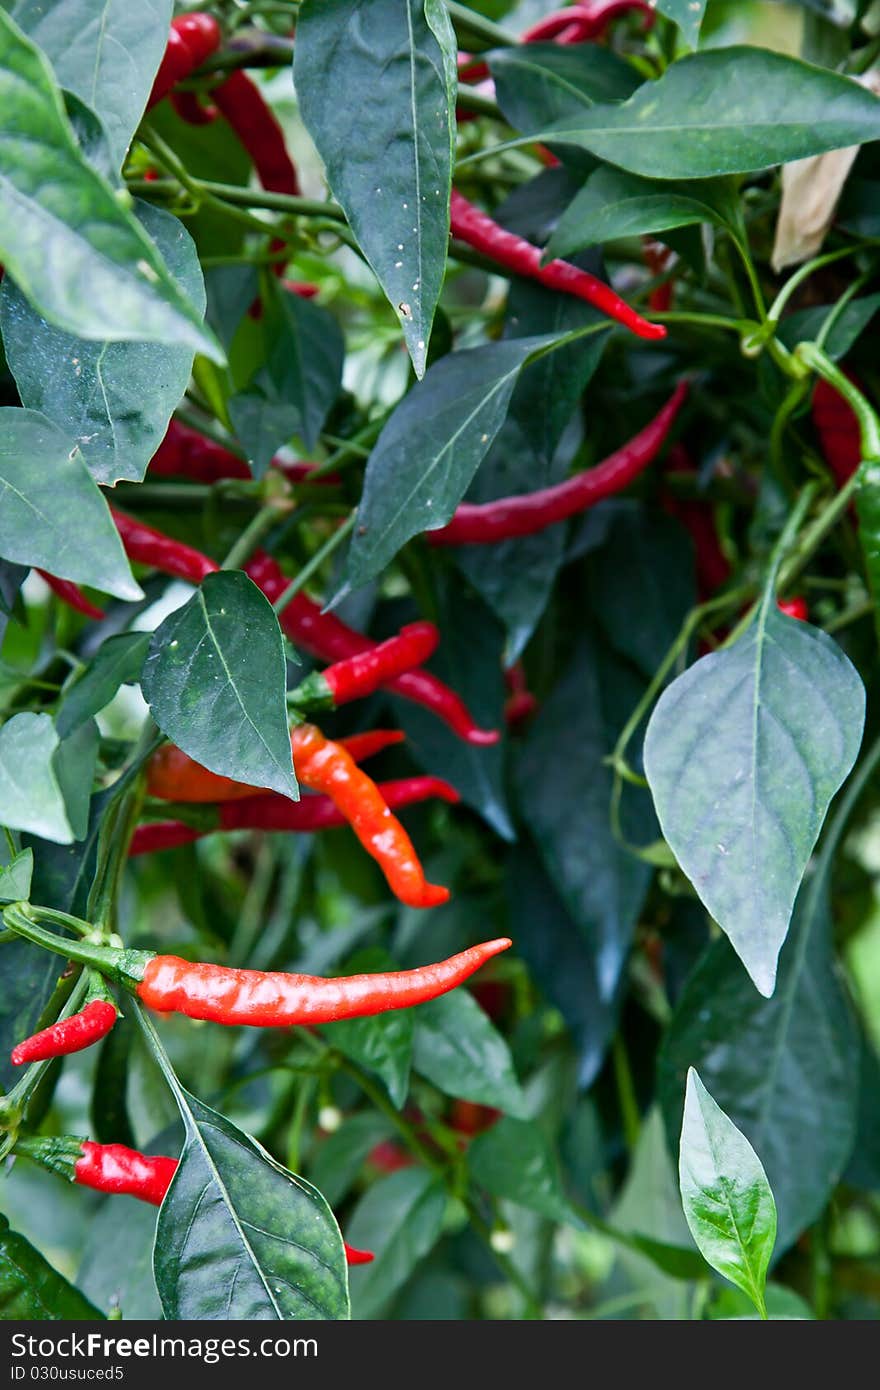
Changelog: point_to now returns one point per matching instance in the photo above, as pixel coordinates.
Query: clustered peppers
(186, 453)
(581, 23)
(192, 40)
(69, 1035)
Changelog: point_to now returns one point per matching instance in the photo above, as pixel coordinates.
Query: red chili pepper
(521, 703)
(358, 1257)
(190, 109)
(838, 430)
(191, 41)
(325, 767)
(69, 1035)
(483, 523)
(367, 745)
(470, 1118)
(185, 453)
(166, 834)
(325, 636)
(657, 258)
(478, 230)
(304, 288)
(580, 23)
(795, 607)
(270, 999)
(72, 595)
(713, 567)
(389, 1157)
(241, 102)
(147, 546)
(365, 672)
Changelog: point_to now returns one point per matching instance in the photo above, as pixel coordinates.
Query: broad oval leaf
(376, 85)
(53, 515)
(399, 1219)
(30, 792)
(215, 681)
(65, 237)
(458, 1049)
(725, 111)
(239, 1236)
(513, 1160)
(431, 447)
(105, 51)
(114, 399)
(726, 1197)
(31, 1290)
(15, 878)
(743, 754)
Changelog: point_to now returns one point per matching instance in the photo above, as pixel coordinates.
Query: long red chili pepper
(272, 812)
(185, 453)
(361, 674)
(190, 109)
(325, 767)
(69, 1035)
(794, 607)
(325, 636)
(192, 40)
(241, 102)
(72, 595)
(483, 523)
(838, 430)
(479, 231)
(657, 258)
(373, 741)
(147, 546)
(695, 514)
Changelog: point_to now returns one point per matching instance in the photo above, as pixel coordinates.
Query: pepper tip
(483, 738)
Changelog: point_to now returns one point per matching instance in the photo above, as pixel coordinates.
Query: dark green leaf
(340, 1157)
(458, 1049)
(687, 14)
(108, 1112)
(91, 136)
(30, 1289)
(27, 976)
(118, 661)
(399, 1219)
(383, 1045)
(215, 682)
(15, 878)
(725, 1193)
(513, 1160)
(11, 579)
(65, 237)
(261, 426)
(239, 1236)
(804, 325)
(113, 399)
(305, 360)
(538, 83)
(725, 111)
(430, 449)
(376, 84)
(30, 794)
(117, 1266)
(63, 873)
(53, 515)
(106, 51)
(743, 754)
(74, 763)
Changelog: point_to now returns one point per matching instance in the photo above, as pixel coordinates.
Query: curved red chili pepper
(358, 1257)
(160, 835)
(185, 453)
(483, 523)
(190, 109)
(252, 120)
(373, 741)
(192, 40)
(365, 672)
(657, 258)
(147, 546)
(69, 1035)
(795, 607)
(72, 595)
(270, 999)
(838, 430)
(695, 514)
(521, 704)
(115, 1168)
(479, 231)
(580, 23)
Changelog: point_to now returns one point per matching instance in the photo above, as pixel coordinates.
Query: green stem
(774, 569)
(752, 276)
(467, 21)
(272, 202)
(803, 273)
(869, 425)
(626, 1093)
(259, 526)
(314, 564)
(125, 967)
(19, 1097)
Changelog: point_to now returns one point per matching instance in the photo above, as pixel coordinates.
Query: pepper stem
(869, 425)
(125, 967)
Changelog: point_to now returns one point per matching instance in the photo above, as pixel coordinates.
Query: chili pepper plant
(439, 562)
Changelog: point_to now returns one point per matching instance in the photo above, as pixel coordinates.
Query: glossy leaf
(458, 1049)
(106, 52)
(118, 661)
(117, 1265)
(31, 1290)
(537, 83)
(399, 1219)
(386, 143)
(687, 14)
(113, 398)
(65, 237)
(74, 762)
(805, 325)
(53, 515)
(430, 449)
(725, 1193)
(743, 754)
(614, 204)
(725, 111)
(30, 793)
(215, 681)
(15, 878)
(513, 1160)
(239, 1236)
(339, 1158)
(382, 1044)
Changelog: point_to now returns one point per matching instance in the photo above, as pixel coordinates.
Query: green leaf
(239, 1236)
(31, 1290)
(117, 1264)
(105, 51)
(215, 679)
(513, 1160)
(338, 1160)
(725, 1194)
(30, 794)
(687, 14)
(784, 1069)
(118, 661)
(743, 754)
(376, 82)
(399, 1219)
(114, 399)
(11, 579)
(53, 515)
(613, 204)
(537, 83)
(65, 237)
(15, 878)
(74, 763)
(430, 449)
(261, 426)
(725, 111)
(382, 1044)
(27, 978)
(463, 1055)
(805, 325)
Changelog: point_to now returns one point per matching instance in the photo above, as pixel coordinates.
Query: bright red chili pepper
(795, 607)
(520, 704)
(361, 674)
(161, 835)
(470, 1118)
(147, 546)
(185, 453)
(583, 22)
(358, 1257)
(190, 109)
(192, 40)
(270, 999)
(483, 523)
(69, 1035)
(478, 230)
(657, 258)
(373, 741)
(241, 102)
(838, 430)
(389, 1157)
(72, 595)
(325, 636)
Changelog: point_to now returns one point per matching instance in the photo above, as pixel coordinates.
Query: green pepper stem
(125, 967)
(869, 425)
